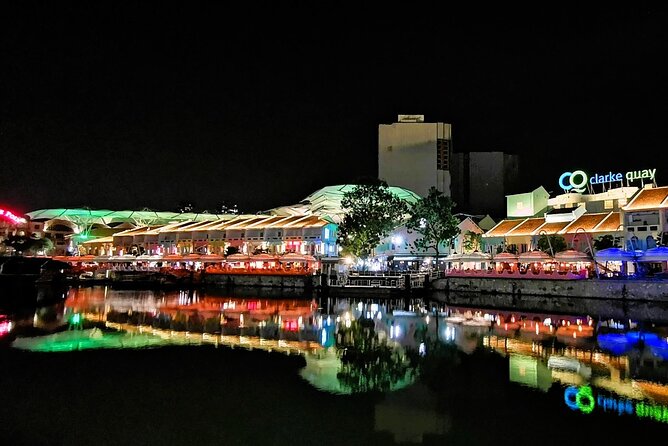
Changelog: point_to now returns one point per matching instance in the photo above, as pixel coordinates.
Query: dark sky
(131, 105)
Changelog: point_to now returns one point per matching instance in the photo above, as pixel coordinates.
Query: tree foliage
(556, 241)
(231, 250)
(368, 364)
(372, 211)
(432, 218)
(605, 242)
(23, 244)
(472, 241)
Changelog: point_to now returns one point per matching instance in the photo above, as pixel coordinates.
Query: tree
(23, 244)
(371, 212)
(557, 243)
(231, 250)
(604, 242)
(368, 363)
(472, 241)
(432, 218)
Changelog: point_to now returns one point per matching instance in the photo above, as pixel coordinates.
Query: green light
(76, 318)
(585, 399)
(83, 236)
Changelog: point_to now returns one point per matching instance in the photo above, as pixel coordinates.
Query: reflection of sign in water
(582, 399)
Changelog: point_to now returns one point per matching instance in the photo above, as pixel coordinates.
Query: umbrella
(237, 258)
(658, 254)
(615, 254)
(505, 257)
(535, 256)
(173, 258)
(475, 256)
(571, 255)
(212, 258)
(263, 258)
(292, 257)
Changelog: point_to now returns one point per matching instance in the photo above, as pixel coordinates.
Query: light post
(549, 243)
(591, 250)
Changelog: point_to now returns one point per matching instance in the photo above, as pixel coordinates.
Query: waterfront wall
(258, 280)
(620, 309)
(651, 290)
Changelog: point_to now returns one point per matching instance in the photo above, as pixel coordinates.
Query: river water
(103, 366)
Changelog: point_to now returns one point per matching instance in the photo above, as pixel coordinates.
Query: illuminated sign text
(577, 180)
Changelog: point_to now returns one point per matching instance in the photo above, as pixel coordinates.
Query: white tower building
(415, 155)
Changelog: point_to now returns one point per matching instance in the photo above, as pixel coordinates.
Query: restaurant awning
(614, 254)
(571, 255)
(474, 256)
(263, 258)
(211, 258)
(237, 258)
(506, 257)
(535, 256)
(658, 254)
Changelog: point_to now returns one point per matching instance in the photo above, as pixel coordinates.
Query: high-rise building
(415, 155)
(481, 181)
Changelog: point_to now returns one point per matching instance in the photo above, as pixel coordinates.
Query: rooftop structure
(326, 202)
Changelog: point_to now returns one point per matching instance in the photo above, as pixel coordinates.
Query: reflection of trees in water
(368, 363)
(450, 372)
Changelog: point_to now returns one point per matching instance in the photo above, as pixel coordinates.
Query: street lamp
(549, 243)
(591, 250)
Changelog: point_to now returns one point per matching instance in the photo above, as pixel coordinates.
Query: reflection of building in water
(627, 376)
(530, 371)
(409, 414)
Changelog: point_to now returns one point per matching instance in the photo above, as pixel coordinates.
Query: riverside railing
(377, 280)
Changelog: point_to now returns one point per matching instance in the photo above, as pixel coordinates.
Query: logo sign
(575, 181)
(578, 180)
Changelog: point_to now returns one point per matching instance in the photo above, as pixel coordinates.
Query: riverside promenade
(570, 285)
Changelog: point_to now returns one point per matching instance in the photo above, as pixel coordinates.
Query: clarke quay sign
(577, 180)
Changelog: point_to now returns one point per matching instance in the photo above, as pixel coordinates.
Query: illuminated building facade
(415, 155)
(271, 234)
(636, 217)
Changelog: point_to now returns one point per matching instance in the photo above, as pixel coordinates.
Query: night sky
(125, 106)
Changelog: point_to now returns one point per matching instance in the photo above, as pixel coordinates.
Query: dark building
(481, 181)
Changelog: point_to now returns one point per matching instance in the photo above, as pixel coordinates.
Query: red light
(5, 326)
(11, 217)
(290, 326)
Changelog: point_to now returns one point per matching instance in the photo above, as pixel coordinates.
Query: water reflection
(369, 363)
(367, 345)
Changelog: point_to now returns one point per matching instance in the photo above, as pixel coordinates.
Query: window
(653, 228)
(608, 204)
(326, 232)
(443, 154)
(642, 228)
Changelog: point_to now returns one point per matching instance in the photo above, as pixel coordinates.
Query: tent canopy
(571, 255)
(658, 254)
(535, 256)
(614, 254)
